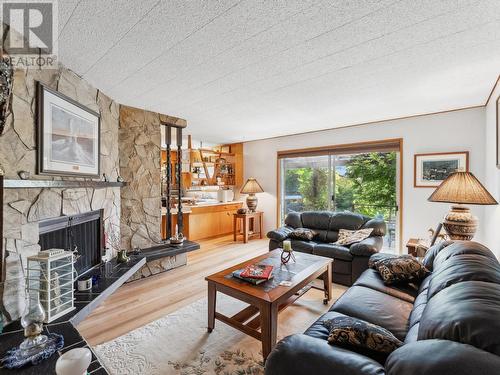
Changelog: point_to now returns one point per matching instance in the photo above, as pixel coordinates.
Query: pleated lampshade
(251, 187)
(464, 188)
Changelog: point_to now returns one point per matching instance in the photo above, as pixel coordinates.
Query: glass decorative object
(32, 322)
(50, 275)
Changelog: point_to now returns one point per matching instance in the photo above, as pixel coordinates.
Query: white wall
(453, 131)
(492, 178)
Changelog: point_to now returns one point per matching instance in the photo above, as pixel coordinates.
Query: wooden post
(168, 217)
(179, 179)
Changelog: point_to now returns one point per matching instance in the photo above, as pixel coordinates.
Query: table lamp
(461, 188)
(251, 187)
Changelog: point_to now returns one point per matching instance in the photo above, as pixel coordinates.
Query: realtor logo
(29, 29)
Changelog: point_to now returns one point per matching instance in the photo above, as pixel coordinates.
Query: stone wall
(140, 165)
(24, 208)
(140, 158)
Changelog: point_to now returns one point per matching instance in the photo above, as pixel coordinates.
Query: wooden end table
(249, 227)
(269, 298)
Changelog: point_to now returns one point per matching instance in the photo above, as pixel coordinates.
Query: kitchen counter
(205, 219)
(188, 208)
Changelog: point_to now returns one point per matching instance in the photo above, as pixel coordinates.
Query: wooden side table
(251, 225)
(417, 247)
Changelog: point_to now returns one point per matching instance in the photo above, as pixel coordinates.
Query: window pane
(306, 182)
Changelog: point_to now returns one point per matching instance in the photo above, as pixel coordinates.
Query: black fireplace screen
(83, 232)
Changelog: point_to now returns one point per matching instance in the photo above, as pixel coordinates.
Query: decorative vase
(459, 223)
(32, 322)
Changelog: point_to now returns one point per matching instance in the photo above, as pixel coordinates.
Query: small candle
(287, 245)
(176, 230)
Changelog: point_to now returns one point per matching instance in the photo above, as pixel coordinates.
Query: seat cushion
(441, 357)
(303, 246)
(371, 279)
(375, 307)
(332, 251)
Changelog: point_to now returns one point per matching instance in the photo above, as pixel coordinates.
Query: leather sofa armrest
(367, 247)
(302, 354)
(378, 225)
(280, 234)
(441, 357)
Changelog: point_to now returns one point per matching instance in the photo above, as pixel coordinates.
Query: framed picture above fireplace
(68, 135)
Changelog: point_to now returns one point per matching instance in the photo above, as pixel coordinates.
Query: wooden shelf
(36, 184)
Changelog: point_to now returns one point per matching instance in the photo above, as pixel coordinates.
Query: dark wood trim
(180, 224)
(40, 89)
(434, 154)
(36, 184)
(366, 146)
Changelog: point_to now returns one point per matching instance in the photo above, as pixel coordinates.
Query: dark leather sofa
(450, 322)
(350, 261)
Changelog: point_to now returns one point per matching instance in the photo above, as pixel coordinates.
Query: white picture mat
(419, 163)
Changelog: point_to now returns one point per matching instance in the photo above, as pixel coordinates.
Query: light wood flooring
(138, 303)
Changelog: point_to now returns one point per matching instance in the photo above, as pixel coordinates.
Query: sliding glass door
(362, 182)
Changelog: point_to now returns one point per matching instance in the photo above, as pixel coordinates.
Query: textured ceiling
(247, 69)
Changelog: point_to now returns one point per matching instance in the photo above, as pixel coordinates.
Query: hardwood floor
(143, 301)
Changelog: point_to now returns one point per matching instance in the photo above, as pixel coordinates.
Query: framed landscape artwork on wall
(68, 135)
(431, 169)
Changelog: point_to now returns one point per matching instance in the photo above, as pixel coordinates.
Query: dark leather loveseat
(350, 261)
(450, 322)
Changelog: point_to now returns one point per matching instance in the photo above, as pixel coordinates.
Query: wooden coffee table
(269, 298)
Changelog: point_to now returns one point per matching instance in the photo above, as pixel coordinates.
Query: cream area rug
(179, 343)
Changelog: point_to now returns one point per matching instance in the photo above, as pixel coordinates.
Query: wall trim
(492, 91)
(398, 142)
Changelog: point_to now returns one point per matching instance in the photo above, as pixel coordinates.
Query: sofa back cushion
(466, 312)
(463, 296)
(327, 224)
(464, 267)
(294, 220)
(439, 253)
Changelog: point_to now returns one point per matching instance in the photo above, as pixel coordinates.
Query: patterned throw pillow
(348, 331)
(401, 269)
(303, 234)
(348, 237)
(372, 262)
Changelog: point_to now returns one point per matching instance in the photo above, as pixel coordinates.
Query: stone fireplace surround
(124, 147)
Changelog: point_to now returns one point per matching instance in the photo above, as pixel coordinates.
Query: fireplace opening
(83, 232)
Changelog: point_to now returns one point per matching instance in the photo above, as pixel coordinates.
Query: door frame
(395, 144)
